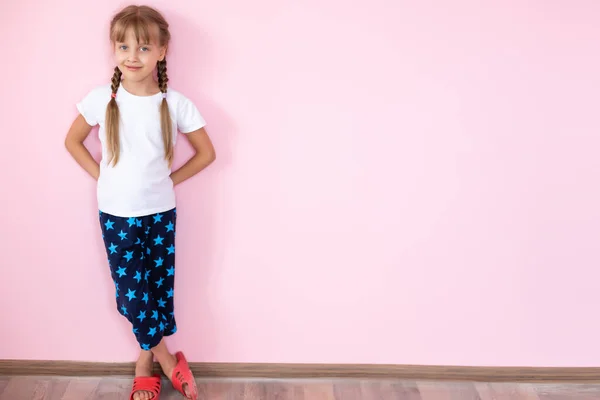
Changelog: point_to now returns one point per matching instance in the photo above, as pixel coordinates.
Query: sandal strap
(148, 384)
(183, 375)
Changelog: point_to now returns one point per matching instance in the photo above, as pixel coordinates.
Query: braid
(112, 119)
(165, 115)
(161, 67)
(116, 80)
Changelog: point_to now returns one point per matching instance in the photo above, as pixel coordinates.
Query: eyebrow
(139, 44)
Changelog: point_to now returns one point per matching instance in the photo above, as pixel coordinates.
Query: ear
(163, 53)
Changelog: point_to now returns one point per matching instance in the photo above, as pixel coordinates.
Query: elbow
(68, 144)
(208, 155)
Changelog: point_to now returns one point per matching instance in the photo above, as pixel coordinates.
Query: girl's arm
(74, 143)
(205, 155)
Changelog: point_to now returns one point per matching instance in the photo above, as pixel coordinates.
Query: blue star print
(128, 255)
(121, 272)
(141, 252)
(142, 316)
(113, 248)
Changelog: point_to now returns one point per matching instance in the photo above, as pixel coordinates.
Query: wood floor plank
(117, 388)
(506, 391)
(113, 388)
(283, 390)
(347, 389)
(3, 384)
(202, 388)
(19, 387)
(81, 388)
(317, 390)
(58, 387)
(41, 391)
(432, 391)
(254, 390)
(389, 389)
(568, 391)
(215, 389)
(447, 391)
(222, 389)
(236, 389)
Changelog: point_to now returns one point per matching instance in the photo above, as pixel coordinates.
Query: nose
(132, 56)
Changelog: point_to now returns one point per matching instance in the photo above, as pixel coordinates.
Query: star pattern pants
(141, 257)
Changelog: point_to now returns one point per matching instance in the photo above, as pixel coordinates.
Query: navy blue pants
(141, 257)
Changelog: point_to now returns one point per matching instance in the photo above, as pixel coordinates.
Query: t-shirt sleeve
(89, 107)
(189, 118)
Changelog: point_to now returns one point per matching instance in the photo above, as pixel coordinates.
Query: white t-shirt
(140, 183)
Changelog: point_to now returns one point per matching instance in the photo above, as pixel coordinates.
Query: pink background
(396, 182)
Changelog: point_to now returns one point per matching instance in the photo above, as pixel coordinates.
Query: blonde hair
(140, 19)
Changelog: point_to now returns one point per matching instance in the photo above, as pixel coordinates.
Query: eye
(144, 48)
(123, 47)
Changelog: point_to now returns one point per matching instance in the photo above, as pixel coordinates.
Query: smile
(133, 68)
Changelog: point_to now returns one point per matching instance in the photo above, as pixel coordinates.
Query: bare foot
(143, 367)
(168, 362)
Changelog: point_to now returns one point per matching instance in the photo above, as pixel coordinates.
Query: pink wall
(399, 182)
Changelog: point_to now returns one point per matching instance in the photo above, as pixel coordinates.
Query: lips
(133, 68)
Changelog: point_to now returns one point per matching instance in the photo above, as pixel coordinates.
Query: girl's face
(138, 60)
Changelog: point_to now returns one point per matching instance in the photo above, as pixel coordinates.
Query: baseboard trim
(312, 371)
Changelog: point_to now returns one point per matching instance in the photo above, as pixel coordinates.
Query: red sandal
(150, 384)
(183, 375)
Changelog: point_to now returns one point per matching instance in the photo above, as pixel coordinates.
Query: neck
(147, 87)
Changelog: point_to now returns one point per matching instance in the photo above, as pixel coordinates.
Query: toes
(186, 390)
(142, 395)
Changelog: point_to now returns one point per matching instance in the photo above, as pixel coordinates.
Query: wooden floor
(116, 388)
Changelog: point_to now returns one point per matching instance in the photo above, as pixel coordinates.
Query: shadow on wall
(193, 66)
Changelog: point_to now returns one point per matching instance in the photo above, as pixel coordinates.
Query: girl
(138, 116)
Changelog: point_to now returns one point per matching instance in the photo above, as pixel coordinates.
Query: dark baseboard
(313, 371)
